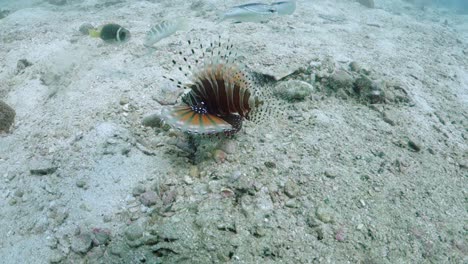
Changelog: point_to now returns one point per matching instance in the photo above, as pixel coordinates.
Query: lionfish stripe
(236, 98)
(223, 99)
(228, 89)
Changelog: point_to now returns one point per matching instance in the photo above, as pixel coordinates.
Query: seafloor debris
(293, 90)
(21, 65)
(7, 117)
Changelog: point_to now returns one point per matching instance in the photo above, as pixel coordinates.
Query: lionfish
(222, 94)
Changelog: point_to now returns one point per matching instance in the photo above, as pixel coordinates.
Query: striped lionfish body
(221, 95)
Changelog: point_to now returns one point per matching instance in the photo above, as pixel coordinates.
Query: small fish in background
(259, 12)
(110, 33)
(285, 7)
(253, 12)
(164, 30)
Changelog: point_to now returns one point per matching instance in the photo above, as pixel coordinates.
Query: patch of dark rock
(4, 13)
(21, 65)
(414, 146)
(43, 170)
(7, 117)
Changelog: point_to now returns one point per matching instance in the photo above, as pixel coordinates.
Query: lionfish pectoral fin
(185, 119)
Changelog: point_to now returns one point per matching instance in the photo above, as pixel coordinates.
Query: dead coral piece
(293, 90)
(21, 65)
(7, 117)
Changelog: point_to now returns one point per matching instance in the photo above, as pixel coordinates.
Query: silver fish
(285, 7)
(164, 30)
(253, 12)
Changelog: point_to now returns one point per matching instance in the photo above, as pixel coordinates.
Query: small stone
(367, 3)
(388, 120)
(21, 65)
(56, 257)
(414, 146)
(293, 90)
(320, 233)
(461, 164)
(153, 120)
(354, 66)
(312, 220)
(340, 235)
(323, 215)
(124, 100)
(42, 167)
(362, 204)
(340, 80)
(228, 146)
(134, 232)
(360, 227)
(149, 198)
(292, 203)
(139, 189)
(107, 218)
(82, 243)
(19, 193)
(330, 174)
(235, 176)
(291, 189)
(219, 156)
(12, 201)
(194, 172)
(101, 236)
(7, 117)
(116, 249)
(188, 180)
(81, 184)
(270, 164)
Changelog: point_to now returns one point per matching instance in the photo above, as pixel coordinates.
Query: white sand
(401, 207)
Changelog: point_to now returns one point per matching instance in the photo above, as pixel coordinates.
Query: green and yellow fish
(110, 33)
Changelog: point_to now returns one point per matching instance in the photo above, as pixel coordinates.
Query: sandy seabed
(342, 178)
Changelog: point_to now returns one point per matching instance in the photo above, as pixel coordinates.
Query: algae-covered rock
(7, 117)
(293, 90)
(340, 80)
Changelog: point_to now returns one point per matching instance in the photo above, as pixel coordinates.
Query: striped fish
(253, 12)
(164, 30)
